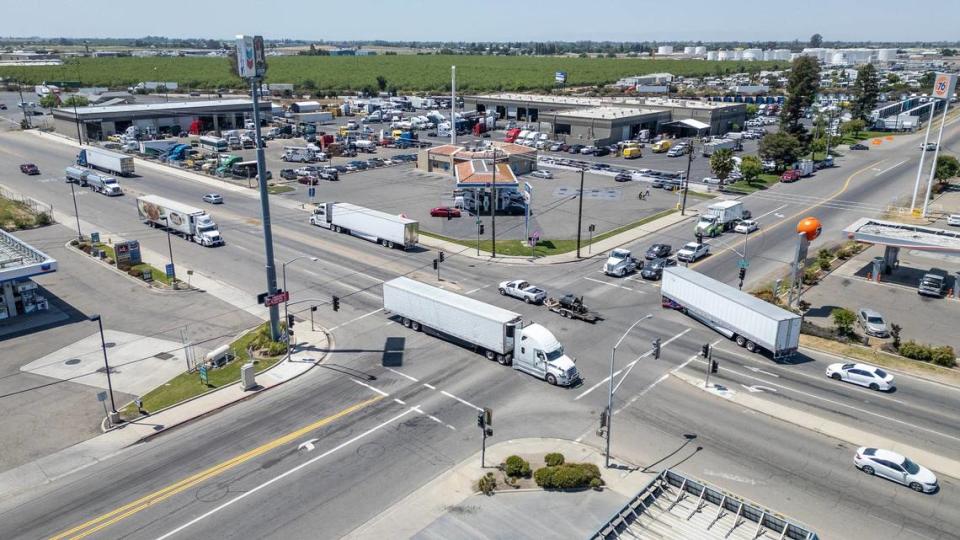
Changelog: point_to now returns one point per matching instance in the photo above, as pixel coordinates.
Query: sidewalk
(599, 248)
(309, 351)
(431, 501)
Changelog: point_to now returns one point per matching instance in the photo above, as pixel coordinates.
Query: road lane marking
(662, 378)
(612, 284)
(399, 401)
(355, 319)
(465, 402)
(471, 291)
(430, 386)
(890, 168)
(403, 374)
(94, 525)
(377, 390)
(637, 359)
(777, 209)
(286, 474)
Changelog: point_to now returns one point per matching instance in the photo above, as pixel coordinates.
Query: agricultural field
(324, 74)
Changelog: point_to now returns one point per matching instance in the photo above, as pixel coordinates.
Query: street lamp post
(580, 213)
(106, 363)
(613, 356)
(286, 312)
(76, 213)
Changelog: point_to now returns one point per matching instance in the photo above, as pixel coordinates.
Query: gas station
(895, 236)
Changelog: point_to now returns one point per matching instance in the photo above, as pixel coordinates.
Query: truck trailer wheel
(406, 322)
(490, 355)
(551, 380)
(751, 346)
(741, 341)
(415, 325)
(505, 359)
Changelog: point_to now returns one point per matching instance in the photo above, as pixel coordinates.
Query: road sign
(203, 375)
(170, 270)
(101, 396)
(95, 237)
(944, 85)
(311, 192)
(277, 299)
(743, 263)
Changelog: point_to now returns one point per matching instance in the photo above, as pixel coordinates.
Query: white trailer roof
(746, 300)
(451, 298)
(352, 208)
(171, 205)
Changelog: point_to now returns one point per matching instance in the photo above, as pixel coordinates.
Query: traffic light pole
(613, 357)
(706, 382)
(580, 214)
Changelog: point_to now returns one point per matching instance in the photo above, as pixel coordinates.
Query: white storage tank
(712, 55)
(700, 51)
(689, 50)
(887, 55)
(665, 49)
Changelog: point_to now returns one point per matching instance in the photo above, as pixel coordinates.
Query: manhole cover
(163, 356)
(72, 362)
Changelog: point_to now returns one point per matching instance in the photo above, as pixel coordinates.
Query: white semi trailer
(496, 333)
(372, 225)
(191, 223)
(105, 160)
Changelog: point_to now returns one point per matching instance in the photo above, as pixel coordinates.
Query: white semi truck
(742, 317)
(100, 183)
(372, 225)
(496, 333)
(105, 160)
(183, 220)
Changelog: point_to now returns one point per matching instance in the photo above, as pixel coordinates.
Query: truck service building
(98, 123)
(606, 120)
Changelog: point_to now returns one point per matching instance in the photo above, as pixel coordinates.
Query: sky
(488, 20)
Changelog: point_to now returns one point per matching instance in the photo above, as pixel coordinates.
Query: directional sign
(276, 299)
(743, 263)
(311, 192)
(203, 375)
(101, 396)
(170, 270)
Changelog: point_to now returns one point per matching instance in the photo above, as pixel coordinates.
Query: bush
(553, 459)
(843, 319)
(943, 356)
(487, 484)
(811, 275)
(916, 351)
(596, 483)
(568, 476)
(824, 264)
(516, 466)
(43, 219)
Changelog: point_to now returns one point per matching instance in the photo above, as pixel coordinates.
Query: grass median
(881, 358)
(762, 181)
(545, 247)
(188, 385)
(158, 275)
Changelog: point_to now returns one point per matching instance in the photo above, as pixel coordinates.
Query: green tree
(780, 147)
(947, 168)
(750, 168)
(926, 81)
(76, 100)
(866, 91)
(843, 320)
(816, 40)
(381, 82)
(853, 127)
(309, 84)
(721, 163)
(50, 101)
(751, 109)
(801, 89)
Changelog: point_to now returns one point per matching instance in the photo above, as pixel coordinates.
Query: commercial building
(589, 120)
(18, 262)
(98, 123)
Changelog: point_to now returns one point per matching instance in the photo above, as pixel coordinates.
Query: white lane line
(477, 289)
(611, 284)
(890, 168)
(399, 401)
(777, 209)
(451, 427)
(662, 378)
(284, 475)
(430, 386)
(465, 402)
(400, 373)
(615, 373)
(377, 390)
(355, 319)
(834, 402)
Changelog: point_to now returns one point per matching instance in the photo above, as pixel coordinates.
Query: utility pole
(686, 177)
(707, 353)
(453, 104)
(76, 212)
(23, 105)
(173, 277)
(580, 213)
(252, 48)
(493, 208)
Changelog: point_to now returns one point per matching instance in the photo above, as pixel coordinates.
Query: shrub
(843, 319)
(810, 275)
(43, 219)
(943, 356)
(553, 459)
(567, 476)
(516, 466)
(596, 483)
(487, 484)
(916, 351)
(843, 253)
(824, 264)
(895, 330)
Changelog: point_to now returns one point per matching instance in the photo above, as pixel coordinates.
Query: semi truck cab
(538, 353)
(208, 234)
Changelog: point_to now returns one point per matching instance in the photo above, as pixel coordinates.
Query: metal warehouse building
(98, 123)
(607, 120)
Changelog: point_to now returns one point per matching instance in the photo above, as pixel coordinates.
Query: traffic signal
(743, 273)
(603, 419)
(481, 228)
(441, 256)
(699, 238)
(336, 303)
(434, 264)
(714, 366)
(488, 416)
(481, 420)
(705, 350)
(290, 324)
(656, 348)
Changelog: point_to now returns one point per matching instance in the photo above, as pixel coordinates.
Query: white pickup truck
(523, 290)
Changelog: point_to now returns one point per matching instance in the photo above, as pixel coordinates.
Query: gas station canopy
(902, 235)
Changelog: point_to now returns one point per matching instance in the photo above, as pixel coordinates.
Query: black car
(654, 269)
(623, 176)
(339, 168)
(575, 149)
(288, 174)
(601, 151)
(859, 146)
(658, 251)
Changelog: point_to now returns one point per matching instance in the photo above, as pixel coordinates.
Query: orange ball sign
(810, 226)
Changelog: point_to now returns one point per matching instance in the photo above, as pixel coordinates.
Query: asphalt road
(364, 460)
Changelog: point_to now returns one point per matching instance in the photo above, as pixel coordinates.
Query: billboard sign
(251, 59)
(560, 77)
(944, 85)
(128, 253)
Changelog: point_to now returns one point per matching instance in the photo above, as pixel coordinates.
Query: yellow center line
(105, 520)
(798, 214)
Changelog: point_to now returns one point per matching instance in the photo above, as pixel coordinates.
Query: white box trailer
(105, 160)
(495, 332)
(372, 225)
(742, 317)
(184, 220)
(712, 146)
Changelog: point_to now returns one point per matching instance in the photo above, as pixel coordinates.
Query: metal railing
(34, 205)
(726, 503)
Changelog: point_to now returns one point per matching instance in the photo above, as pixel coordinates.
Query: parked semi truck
(729, 144)
(183, 220)
(495, 332)
(105, 160)
(720, 217)
(372, 225)
(100, 183)
(740, 316)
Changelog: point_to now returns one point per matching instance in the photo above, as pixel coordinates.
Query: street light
(76, 212)
(106, 363)
(613, 356)
(286, 314)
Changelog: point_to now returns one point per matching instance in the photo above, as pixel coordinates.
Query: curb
(140, 282)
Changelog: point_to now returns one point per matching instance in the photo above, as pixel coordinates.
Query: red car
(445, 211)
(790, 176)
(29, 168)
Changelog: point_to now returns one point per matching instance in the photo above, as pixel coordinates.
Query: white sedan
(542, 173)
(746, 226)
(953, 219)
(523, 290)
(872, 377)
(893, 466)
